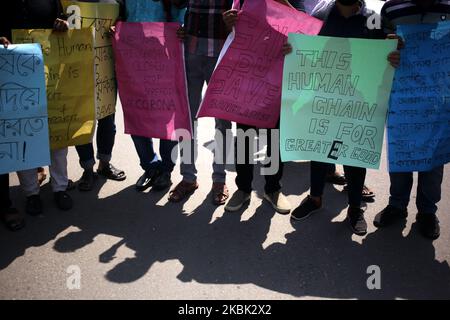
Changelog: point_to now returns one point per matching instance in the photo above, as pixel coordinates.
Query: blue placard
(24, 139)
(419, 114)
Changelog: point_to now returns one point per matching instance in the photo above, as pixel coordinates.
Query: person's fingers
(394, 58)
(287, 48)
(392, 36)
(60, 25)
(230, 12)
(5, 42)
(401, 43)
(181, 33)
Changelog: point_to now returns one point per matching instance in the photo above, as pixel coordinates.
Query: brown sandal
(182, 190)
(220, 193)
(41, 174)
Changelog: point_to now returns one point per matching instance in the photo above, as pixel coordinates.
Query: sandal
(112, 173)
(13, 220)
(41, 175)
(182, 190)
(367, 194)
(220, 193)
(86, 182)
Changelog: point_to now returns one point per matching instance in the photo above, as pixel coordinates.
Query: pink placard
(151, 79)
(246, 85)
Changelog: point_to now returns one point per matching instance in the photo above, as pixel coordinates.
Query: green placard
(335, 99)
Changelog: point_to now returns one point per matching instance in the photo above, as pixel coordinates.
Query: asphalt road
(134, 245)
(130, 245)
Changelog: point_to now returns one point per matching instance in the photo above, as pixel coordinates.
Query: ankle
(317, 200)
(102, 164)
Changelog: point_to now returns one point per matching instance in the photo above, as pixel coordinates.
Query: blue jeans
(149, 158)
(198, 70)
(106, 132)
(428, 189)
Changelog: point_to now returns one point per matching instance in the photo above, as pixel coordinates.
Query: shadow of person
(318, 259)
(408, 264)
(39, 230)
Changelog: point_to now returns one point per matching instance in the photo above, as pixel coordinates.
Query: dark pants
(5, 201)
(148, 157)
(244, 172)
(355, 180)
(428, 189)
(106, 132)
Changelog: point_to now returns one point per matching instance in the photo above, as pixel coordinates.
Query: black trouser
(244, 172)
(5, 202)
(355, 180)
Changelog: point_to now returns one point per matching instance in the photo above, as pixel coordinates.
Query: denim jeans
(428, 189)
(58, 171)
(355, 180)
(148, 157)
(106, 132)
(198, 70)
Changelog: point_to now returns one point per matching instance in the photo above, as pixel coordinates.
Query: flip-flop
(366, 192)
(112, 173)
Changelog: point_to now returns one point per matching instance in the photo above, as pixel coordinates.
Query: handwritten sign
(334, 102)
(24, 142)
(101, 16)
(246, 85)
(69, 65)
(152, 79)
(419, 117)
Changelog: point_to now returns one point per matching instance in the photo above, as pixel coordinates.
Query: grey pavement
(131, 245)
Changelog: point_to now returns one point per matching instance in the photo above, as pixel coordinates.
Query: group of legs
(31, 180)
(158, 169)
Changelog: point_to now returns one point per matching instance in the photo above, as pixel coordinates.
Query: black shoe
(87, 180)
(63, 200)
(389, 215)
(34, 205)
(358, 224)
(162, 181)
(305, 209)
(428, 225)
(146, 180)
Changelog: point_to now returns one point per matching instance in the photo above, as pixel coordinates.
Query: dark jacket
(335, 25)
(28, 14)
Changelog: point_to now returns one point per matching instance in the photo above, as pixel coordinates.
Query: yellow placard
(69, 65)
(100, 16)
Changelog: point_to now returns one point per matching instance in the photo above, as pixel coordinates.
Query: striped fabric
(396, 12)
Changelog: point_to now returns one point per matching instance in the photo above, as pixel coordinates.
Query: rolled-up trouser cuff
(104, 157)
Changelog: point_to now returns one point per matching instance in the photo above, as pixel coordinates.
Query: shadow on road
(318, 259)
